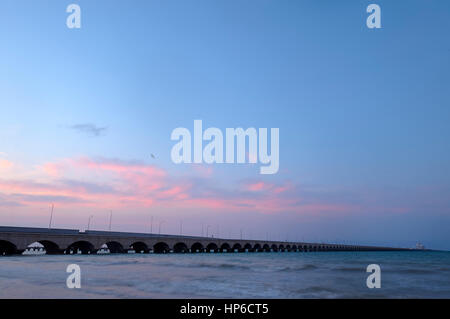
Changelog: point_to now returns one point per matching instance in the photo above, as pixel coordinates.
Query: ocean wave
(415, 271)
(316, 290)
(299, 268)
(248, 276)
(349, 269)
(123, 262)
(224, 266)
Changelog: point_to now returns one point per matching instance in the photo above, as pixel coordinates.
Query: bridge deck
(17, 239)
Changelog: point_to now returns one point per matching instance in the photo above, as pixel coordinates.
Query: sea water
(415, 274)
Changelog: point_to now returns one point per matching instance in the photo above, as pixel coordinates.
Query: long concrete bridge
(15, 240)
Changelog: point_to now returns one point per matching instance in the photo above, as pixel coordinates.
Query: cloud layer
(109, 183)
(114, 183)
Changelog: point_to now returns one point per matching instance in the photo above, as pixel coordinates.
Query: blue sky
(363, 113)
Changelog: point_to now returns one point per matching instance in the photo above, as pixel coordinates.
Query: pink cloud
(255, 187)
(121, 167)
(268, 187)
(111, 183)
(202, 170)
(5, 164)
(53, 169)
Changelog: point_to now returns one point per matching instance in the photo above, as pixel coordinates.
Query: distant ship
(420, 246)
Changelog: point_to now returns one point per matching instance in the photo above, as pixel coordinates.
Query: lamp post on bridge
(110, 220)
(160, 223)
(151, 224)
(89, 221)
(51, 218)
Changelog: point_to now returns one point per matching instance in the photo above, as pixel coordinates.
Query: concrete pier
(14, 240)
